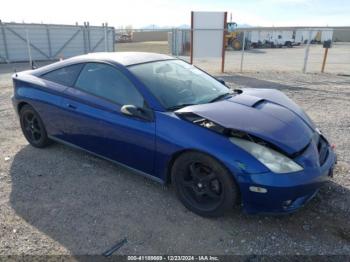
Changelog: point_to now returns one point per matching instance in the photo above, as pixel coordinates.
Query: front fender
(175, 135)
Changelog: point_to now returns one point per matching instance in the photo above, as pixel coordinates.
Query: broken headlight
(273, 160)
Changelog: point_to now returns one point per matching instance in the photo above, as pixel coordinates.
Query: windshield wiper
(176, 107)
(219, 97)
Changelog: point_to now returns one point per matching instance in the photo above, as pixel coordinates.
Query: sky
(140, 13)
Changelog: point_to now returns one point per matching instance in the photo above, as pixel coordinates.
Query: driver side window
(105, 81)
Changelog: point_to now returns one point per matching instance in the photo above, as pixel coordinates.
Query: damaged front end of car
(293, 178)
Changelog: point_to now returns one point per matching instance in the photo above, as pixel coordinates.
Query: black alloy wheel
(33, 127)
(203, 185)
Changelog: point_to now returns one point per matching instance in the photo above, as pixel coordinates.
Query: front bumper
(285, 193)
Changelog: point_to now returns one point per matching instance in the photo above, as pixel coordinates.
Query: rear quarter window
(65, 75)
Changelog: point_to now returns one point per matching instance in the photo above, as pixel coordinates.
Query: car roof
(122, 58)
(126, 58)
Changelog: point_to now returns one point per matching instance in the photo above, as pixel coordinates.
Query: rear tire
(289, 44)
(203, 185)
(33, 127)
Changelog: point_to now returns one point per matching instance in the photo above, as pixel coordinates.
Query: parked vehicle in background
(274, 38)
(234, 37)
(123, 38)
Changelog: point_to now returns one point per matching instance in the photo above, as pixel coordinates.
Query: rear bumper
(285, 193)
(14, 103)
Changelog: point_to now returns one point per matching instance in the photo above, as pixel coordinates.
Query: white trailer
(284, 38)
(273, 38)
(326, 35)
(317, 35)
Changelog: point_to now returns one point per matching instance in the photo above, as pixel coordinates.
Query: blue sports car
(170, 121)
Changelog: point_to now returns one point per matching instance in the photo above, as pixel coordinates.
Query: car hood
(264, 113)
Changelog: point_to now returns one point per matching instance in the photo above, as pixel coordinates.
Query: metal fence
(20, 42)
(263, 50)
(294, 49)
(39, 42)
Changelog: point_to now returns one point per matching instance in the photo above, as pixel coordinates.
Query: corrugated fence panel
(17, 48)
(17, 44)
(2, 48)
(51, 42)
(97, 39)
(66, 42)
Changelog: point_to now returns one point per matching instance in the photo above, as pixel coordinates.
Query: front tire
(204, 185)
(33, 127)
(236, 44)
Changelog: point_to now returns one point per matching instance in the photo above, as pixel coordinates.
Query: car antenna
(33, 65)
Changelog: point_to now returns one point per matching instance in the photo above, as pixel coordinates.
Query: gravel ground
(62, 201)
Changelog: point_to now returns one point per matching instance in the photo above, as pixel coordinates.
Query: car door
(94, 122)
(48, 103)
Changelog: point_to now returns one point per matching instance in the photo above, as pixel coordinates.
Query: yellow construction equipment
(233, 37)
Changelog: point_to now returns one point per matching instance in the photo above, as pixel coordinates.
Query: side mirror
(221, 81)
(134, 111)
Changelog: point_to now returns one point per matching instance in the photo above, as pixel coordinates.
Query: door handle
(71, 106)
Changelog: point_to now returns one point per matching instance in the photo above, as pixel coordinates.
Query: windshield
(177, 84)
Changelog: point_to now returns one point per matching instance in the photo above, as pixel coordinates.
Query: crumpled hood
(264, 113)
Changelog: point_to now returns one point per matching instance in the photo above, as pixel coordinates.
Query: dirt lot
(62, 201)
(154, 46)
(292, 59)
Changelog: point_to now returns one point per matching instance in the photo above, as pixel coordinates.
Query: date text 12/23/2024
(173, 258)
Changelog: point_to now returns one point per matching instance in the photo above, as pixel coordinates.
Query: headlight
(273, 160)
